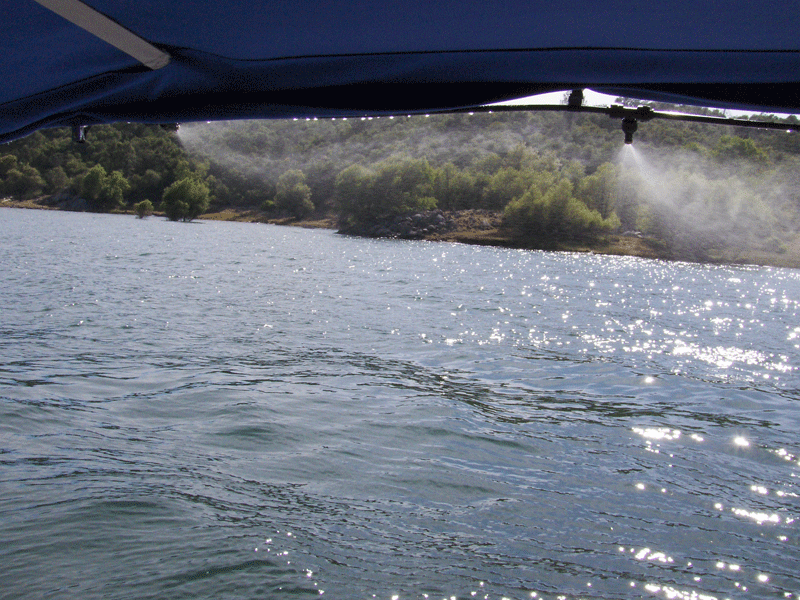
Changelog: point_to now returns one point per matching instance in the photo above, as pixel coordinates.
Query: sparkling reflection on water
(240, 411)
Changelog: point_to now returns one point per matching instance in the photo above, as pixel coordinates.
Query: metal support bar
(630, 117)
(642, 113)
(109, 31)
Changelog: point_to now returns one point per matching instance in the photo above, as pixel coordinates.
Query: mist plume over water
(699, 203)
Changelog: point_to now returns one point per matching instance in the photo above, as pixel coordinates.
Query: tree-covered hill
(702, 191)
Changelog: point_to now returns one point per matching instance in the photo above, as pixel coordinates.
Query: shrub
(186, 199)
(293, 195)
(143, 209)
(395, 187)
(554, 212)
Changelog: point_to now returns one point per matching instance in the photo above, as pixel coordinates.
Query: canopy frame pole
(109, 31)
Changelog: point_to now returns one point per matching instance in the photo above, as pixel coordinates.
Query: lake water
(224, 410)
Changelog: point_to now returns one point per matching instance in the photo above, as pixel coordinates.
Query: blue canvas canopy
(66, 62)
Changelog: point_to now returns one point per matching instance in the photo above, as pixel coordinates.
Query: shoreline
(466, 232)
(477, 227)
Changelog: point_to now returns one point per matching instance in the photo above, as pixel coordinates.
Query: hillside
(692, 191)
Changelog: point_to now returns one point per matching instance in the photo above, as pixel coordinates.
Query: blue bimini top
(67, 62)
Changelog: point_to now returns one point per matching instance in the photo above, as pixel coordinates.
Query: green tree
(505, 185)
(23, 181)
(143, 209)
(599, 190)
(731, 147)
(455, 189)
(353, 193)
(631, 193)
(293, 195)
(552, 212)
(396, 186)
(403, 185)
(57, 179)
(105, 191)
(114, 189)
(7, 162)
(93, 182)
(145, 184)
(186, 199)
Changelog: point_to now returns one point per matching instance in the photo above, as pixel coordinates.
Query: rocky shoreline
(484, 227)
(430, 224)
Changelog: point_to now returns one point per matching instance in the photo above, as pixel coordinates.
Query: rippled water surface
(220, 410)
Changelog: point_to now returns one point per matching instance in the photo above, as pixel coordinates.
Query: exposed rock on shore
(432, 224)
(406, 227)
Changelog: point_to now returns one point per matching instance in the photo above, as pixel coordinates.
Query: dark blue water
(219, 410)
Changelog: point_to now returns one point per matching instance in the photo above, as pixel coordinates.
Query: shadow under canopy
(161, 61)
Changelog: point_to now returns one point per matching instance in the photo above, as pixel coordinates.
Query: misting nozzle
(575, 99)
(629, 127)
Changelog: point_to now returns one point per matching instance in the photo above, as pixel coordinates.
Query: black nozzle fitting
(629, 127)
(575, 99)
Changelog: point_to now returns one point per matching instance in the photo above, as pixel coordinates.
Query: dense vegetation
(119, 167)
(695, 188)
